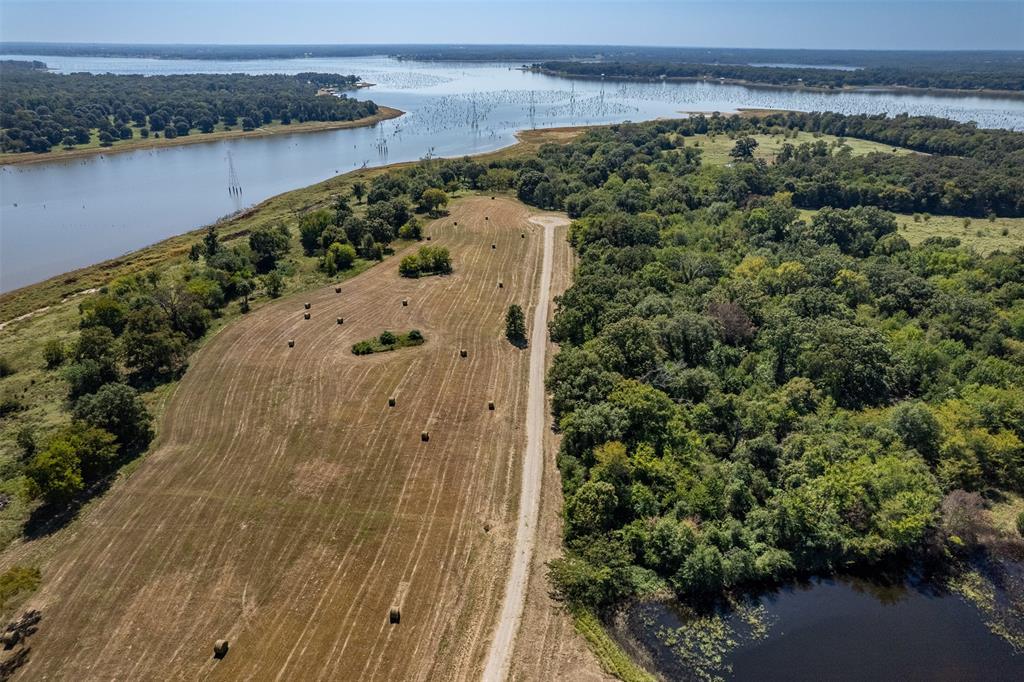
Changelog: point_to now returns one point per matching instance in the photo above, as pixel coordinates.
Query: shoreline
(33, 298)
(25, 158)
(885, 89)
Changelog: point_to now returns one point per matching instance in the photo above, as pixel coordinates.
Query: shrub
(338, 257)
(388, 338)
(53, 353)
(409, 266)
(9, 404)
(415, 335)
(1020, 523)
(17, 580)
(411, 230)
(6, 369)
(362, 348)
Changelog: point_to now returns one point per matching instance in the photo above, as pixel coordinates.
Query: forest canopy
(993, 75)
(40, 109)
(745, 393)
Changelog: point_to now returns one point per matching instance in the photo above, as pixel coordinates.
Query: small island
(388, 341)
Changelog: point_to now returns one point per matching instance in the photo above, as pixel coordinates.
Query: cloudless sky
(896, 24)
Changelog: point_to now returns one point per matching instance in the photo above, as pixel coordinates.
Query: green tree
(117, 408)
(744, 148)
(269, 244)
(55, 473)
(273, 283)
(433, 199)
(359, 190)
(515, 325)
(338, 257)
(211, 242)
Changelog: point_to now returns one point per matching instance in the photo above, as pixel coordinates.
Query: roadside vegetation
(45, 111)
(388, 341)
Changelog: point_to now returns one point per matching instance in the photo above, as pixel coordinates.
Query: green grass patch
(984, 235)
(716, 148)
(611, 656)
(16, 584)
(388, 341)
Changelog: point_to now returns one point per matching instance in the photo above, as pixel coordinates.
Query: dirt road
(286, 507)
(496, 669)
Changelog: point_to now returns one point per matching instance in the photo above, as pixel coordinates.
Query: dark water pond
(62, 215)
(828, 629)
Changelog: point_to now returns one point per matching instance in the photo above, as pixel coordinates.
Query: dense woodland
(744, 395)
(41, 110)
(953, 77)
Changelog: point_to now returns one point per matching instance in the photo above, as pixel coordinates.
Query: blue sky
(857, 24)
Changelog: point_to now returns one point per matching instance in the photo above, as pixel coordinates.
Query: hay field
(286, 507)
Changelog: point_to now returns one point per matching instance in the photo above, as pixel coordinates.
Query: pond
(832, 629)
(61, 215)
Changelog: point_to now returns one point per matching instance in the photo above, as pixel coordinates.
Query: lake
(835, 629)
(61, 215)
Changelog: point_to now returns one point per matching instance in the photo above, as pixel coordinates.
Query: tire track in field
(211, 537)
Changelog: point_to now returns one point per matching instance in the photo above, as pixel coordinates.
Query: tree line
(41, 110)
(745, 395)
(979, 76)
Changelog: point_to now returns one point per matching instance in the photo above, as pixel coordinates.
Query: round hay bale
(337, 290)
(308, 306)
(405, 302)
(487, 528)
(428, 237)
(391, 402)
(305, 316)
(220, 648)
(494, 246)
(395, 615)
(424, 436)
(492, 198)
(501, 285)
(490, 405)
(291, 343)
(341, 320)
(522, 235)
(456, 223)
(487, 217)
(463, 353)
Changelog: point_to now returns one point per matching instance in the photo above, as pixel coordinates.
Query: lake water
(838, 630)
(61, 215)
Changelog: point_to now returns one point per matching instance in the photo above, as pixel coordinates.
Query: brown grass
(284, 503)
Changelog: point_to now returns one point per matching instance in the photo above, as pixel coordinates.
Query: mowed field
(286, 507)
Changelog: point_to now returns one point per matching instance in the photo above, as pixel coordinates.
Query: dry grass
(284, 503)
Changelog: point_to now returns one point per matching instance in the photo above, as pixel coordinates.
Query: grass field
(286, 507)
(717, 147)
(59, 153)
(981, 234)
